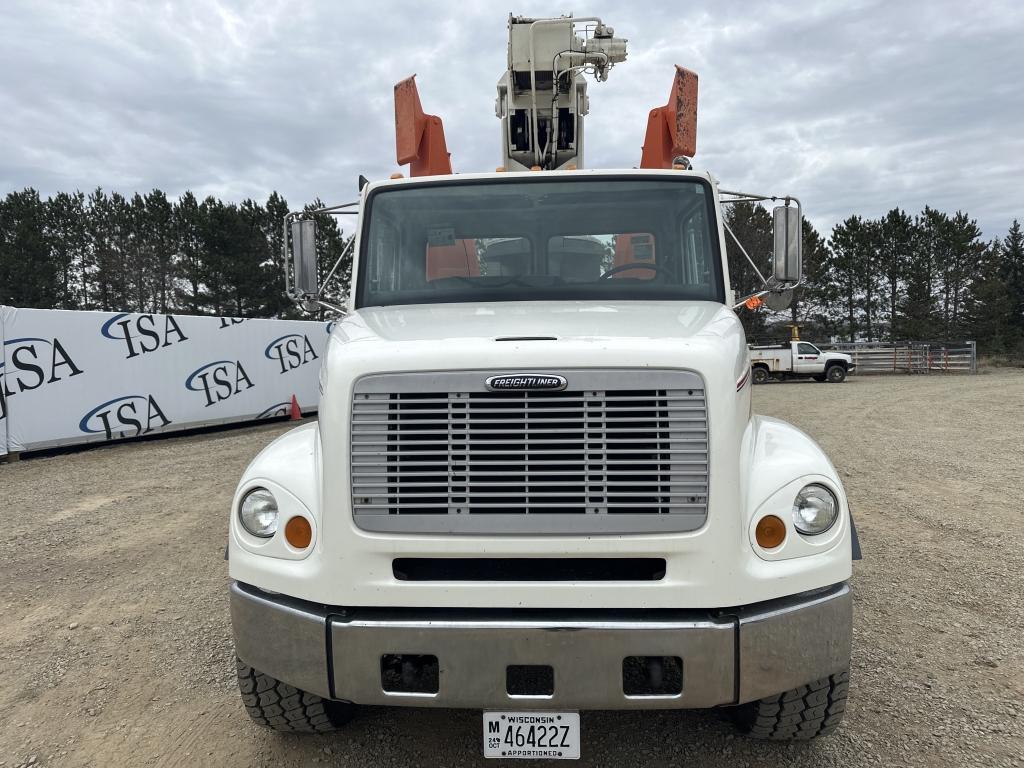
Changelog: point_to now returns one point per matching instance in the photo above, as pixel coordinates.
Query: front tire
(804, 713)
(836, 374)
(282, 707)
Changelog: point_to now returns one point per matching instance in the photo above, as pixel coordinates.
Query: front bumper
(729, 656)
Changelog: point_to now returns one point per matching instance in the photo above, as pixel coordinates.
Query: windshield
(539, 239)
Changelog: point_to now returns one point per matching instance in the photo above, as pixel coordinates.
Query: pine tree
(160, 242)
(136, 254)
(189, 225)
(255, 277)
(99, 281)
(109, 225)
(989, 304)
(275, 210)
(964, 250)
(807, 296)
(1012, 272)
(897, 240)
(28, 275)
(852, 275)
(214, 238)
(918, 318)
(68, 240)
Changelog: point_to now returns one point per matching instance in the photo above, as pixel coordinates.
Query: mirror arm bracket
(759, 294)
(743, 250)
(324, 304)
(337, 263)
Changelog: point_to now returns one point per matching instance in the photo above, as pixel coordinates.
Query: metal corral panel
(911, 357)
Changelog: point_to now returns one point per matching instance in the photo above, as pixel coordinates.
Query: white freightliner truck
(536, 485)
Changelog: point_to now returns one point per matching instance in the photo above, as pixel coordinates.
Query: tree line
(928, 276)
(149, 253)
(900, 277)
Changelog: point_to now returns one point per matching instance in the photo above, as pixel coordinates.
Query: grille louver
(628, 452)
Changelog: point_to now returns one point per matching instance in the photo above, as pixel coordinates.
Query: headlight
(258, 513)
(815, 510)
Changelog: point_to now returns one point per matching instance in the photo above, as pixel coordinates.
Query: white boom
(542, 97)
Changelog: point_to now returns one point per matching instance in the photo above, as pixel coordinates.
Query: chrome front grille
(615, 452)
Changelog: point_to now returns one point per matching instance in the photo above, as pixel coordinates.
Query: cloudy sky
(855, 107)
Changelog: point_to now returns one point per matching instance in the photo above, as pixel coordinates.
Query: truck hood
(697, 335)
(537, 320)
(848, 359)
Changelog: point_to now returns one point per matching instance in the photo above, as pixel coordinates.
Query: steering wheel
(636, 265)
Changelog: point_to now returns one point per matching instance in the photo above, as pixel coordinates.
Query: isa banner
(3, 397)
(72, 377)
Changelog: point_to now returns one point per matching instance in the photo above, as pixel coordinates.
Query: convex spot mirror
(304, 257)
(778, 301)
(788, 257)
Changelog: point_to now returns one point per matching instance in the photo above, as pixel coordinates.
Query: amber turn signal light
(299, 533)
(770, 531)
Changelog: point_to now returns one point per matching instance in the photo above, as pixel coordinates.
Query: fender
(777, 460)
(290, 468)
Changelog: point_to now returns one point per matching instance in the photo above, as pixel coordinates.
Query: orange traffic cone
(296, 411)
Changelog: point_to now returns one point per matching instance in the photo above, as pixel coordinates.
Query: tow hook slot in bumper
(721, 658)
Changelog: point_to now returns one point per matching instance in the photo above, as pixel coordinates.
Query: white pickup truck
(798, 360)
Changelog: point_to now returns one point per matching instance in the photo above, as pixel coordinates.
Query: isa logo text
(33, 362)
(125, 416)
(143, 334)
(291, 351)
(219, 380)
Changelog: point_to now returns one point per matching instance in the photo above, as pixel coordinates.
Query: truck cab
(798, 359)
(536, 483)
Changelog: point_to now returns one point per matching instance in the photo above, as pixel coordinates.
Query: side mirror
(304, 257)
(788, 260)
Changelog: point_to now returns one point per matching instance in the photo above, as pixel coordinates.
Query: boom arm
(542, 97)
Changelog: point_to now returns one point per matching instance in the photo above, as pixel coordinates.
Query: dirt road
(115, 646)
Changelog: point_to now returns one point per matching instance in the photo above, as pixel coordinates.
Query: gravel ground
(115, 645)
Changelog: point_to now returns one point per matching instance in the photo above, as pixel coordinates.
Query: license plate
(532, 735)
